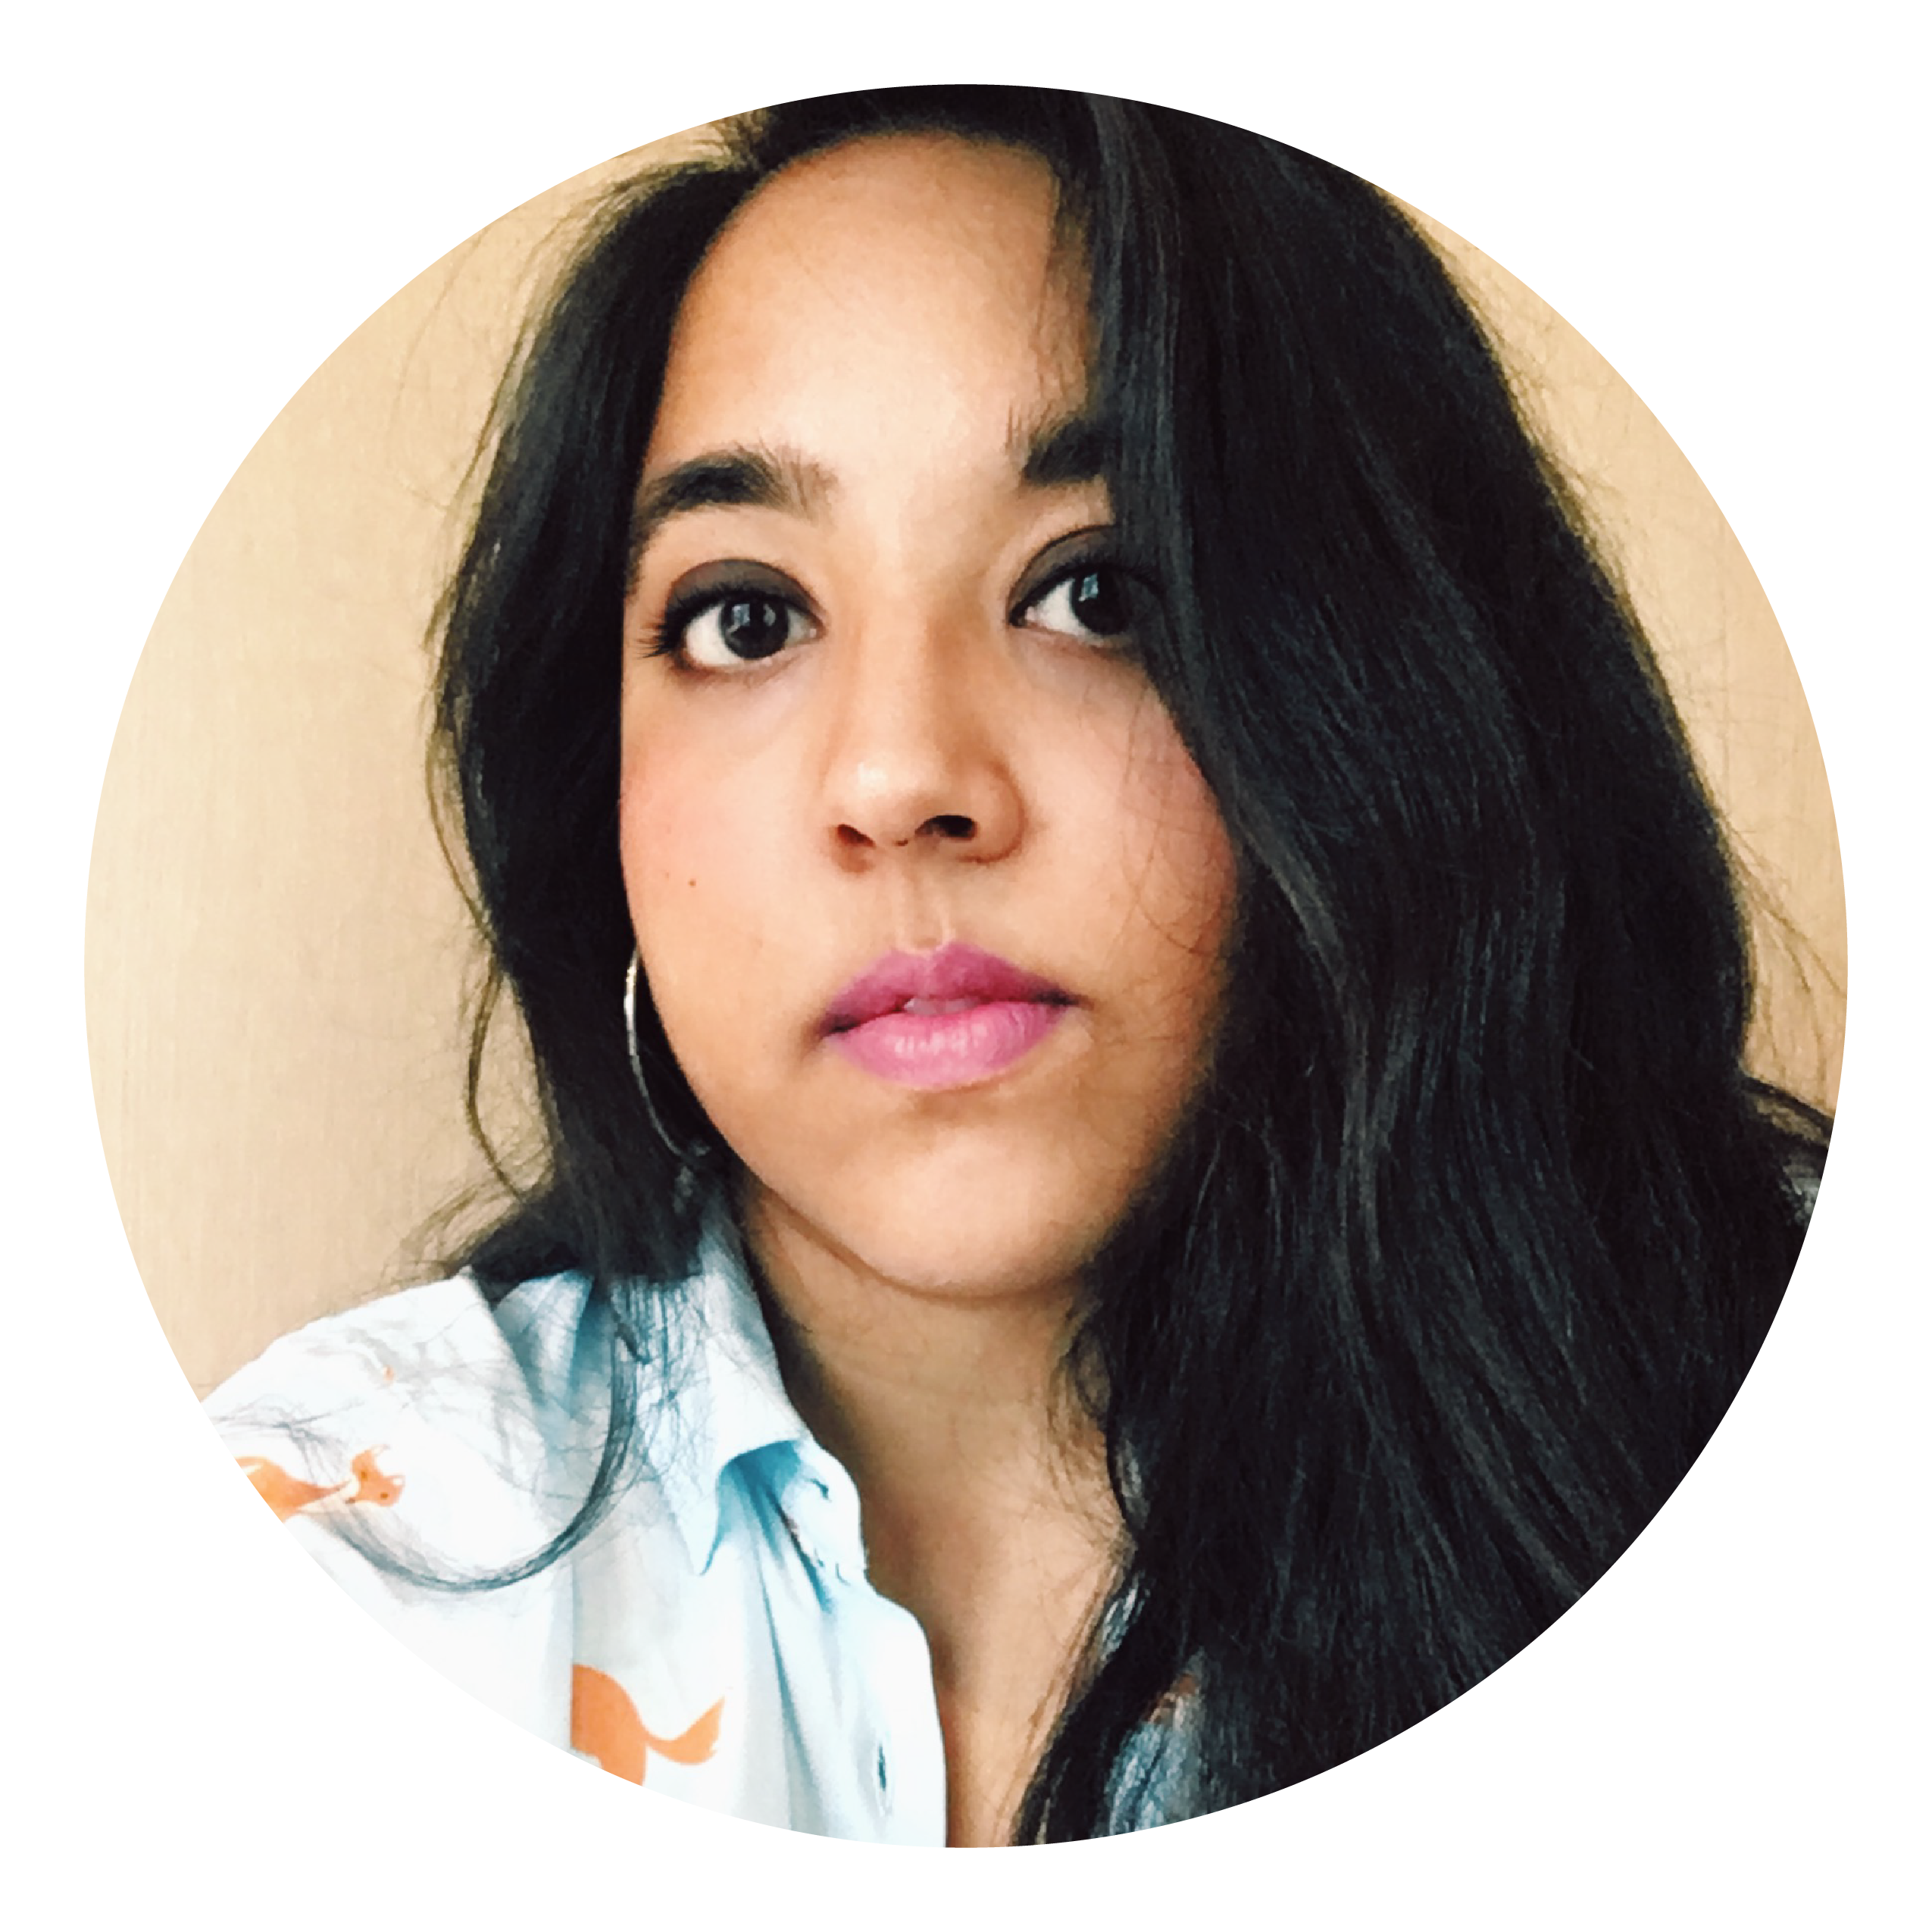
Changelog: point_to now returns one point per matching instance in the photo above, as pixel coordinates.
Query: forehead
(897, 273)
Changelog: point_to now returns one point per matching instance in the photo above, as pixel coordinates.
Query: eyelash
(671, 637)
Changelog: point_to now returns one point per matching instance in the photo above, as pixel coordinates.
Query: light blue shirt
(715, 1638)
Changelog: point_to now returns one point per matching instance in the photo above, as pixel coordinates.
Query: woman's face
(931, 899)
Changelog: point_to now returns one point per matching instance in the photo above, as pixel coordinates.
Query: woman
(1137, 1005)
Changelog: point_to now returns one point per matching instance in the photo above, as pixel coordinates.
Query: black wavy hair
(1454, 1268)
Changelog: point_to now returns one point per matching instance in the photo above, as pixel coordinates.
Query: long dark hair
(1458, 1261)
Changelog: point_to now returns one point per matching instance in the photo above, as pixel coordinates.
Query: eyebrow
(1065, 449)
(740, 478)
(1075, 448)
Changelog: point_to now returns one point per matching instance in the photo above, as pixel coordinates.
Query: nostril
(950, 825)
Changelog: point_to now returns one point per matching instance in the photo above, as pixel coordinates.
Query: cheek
(685, 858)
(1177, 861)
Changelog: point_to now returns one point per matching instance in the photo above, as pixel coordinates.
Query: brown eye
(1091, 601)
(754, 627)
(721, 627)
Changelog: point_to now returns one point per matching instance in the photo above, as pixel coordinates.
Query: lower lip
(935, 1050)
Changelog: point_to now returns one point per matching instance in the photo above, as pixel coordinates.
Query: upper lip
(956, 971)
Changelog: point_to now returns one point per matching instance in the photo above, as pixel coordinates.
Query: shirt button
(882, 1771)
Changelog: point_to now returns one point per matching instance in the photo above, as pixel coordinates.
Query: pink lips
(943, 1019)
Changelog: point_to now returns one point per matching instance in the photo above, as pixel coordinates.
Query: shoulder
(442, 1348)
(430, 1419)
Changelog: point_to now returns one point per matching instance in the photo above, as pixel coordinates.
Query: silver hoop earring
(686, 1157)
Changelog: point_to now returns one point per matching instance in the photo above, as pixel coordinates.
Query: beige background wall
(246, 373)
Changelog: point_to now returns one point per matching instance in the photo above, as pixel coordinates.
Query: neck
(982, 1487)
(940, 1402)
(984, 1501)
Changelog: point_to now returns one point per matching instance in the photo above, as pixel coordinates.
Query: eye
(725, 617)
(1090, 602)
(738, 629)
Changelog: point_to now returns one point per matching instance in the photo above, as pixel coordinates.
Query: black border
(1871, 131)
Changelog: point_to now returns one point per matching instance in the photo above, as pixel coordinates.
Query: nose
(919, 755)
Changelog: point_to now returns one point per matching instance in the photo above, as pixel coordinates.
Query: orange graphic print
(265, 1498)
(604, 1725)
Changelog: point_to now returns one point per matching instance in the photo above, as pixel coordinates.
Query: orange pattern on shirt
(604, 1725)
(289, 1496)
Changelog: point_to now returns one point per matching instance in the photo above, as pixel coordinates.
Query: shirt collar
(723, 1398)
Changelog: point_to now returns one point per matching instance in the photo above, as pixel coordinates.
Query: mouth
(944, 1019)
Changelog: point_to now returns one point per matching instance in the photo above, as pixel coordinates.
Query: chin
(940, 1232)
(981, 1243)
(976, 1265)
(974, 1197)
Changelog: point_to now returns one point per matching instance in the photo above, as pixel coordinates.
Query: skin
(942, 751)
